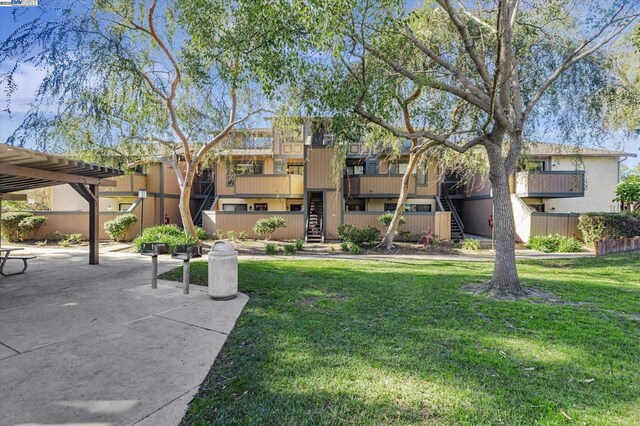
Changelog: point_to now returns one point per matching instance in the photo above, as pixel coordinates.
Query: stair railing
(454, 212)
(208, 195)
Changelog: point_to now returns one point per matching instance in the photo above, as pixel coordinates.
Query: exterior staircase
(457, 227)
(206, 204)
(314, 224)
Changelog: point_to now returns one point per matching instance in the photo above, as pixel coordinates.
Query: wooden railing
(383, 184)
(274, 185)
(557, 184)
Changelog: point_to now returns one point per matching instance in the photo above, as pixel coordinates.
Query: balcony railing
(272, 185)
(551, 184)
(376, 185)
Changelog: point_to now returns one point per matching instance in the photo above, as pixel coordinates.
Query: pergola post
(92, 195)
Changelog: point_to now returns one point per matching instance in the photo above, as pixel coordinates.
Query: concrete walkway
(95, 345)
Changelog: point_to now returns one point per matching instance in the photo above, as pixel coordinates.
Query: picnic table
(5, 252)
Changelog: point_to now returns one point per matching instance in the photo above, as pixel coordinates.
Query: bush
(387, 217)
(344, 246)
(11, 225)
(271, 248)
(268, 226)
(554, 243)
(359, 236)
(471, 244)
(242, 235)
(289, 249)
(119, 227)
(219, 234)
(355, 249)
(167, 234)
(298, 244)
(598, 226)
(231, 235)
(73, 238)
(201, 233)
(29, 226)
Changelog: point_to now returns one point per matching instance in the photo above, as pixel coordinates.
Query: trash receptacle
(223, 271)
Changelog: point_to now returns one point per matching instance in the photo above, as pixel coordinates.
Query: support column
(94, 226)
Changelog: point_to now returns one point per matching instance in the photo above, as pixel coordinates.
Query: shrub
(73, 238)
(41, 243)
(268, 226)
(554, 243)
(64, 243)
(242, 235)
(597, 226)
(11, 225)
(167, 234)
(29, 226)
(356, 235)
(231, 235)
(404, 234)
(387, 217)
(471, 244)
(201, 233)
(298, 245)
(344, 246)
(271, 248)
(355, 249)
(289, 249)
(429, 239)
(220, 234)
(119, 227)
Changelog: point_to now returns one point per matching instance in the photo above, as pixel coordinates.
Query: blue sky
(28, 79)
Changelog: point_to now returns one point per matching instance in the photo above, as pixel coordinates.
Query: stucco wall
(601, 178)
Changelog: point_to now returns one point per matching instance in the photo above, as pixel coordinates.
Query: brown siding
(475, 216)
(333, 213)
(128, 183)
(280, 185)
(244, 221)
(384, 185)
(417, 223)
(318, 168)
(555, 223)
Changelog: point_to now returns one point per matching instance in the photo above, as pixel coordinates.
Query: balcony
(552, 184)
(291, 186)
(376, 185)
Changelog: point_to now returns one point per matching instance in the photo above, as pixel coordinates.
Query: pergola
(22, 169)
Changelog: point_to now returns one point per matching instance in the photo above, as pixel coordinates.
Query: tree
(136, 82)
(628, 192)
(448, 77)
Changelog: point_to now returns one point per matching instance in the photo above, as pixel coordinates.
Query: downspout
(620, 178)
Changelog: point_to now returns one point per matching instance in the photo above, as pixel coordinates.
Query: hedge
(119, 227)
(598, 226)
(17, 225)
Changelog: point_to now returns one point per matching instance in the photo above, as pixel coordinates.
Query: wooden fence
(244, 221)
(555, 223)
(619, 245)
(417, 223)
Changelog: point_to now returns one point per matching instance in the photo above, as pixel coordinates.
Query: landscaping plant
(118, 228)
(298, 244)
(554, 243)
(356, 235)
(167, 234)
(271, 248)
(597, 226)
(268, 226)
(471, 244)
(289, 249)
(17, 225)
(387, 217)
(29, 226)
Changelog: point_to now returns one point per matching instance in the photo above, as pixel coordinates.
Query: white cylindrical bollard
(223, 271)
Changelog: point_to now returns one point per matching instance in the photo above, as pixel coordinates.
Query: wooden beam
(9, 169)
(13, 197)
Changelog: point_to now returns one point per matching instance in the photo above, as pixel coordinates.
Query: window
(234, 169)
(295, 168)
(260, 207)
(123, 207)
(295, 208)
(418, 207)
(355, 166)
(258, 142)
(354, 206)
(234, 207)
(355, 170)
(390, 207)
(398, 168)
(421, 177)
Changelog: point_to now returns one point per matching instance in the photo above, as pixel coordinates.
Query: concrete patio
(95, 345)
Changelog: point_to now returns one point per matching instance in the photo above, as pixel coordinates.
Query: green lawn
(396, 342)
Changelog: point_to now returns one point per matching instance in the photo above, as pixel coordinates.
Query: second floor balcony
(376, 185)
(289, 185)
(550, 184)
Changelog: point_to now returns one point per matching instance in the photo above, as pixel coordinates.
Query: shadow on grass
(372, 343)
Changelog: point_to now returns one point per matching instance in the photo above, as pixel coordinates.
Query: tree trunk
(505, 280)
(185, 209)
(387, 241)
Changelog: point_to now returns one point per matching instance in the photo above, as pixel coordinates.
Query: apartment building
(289, 171)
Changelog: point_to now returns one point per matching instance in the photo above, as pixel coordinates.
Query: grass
(396, 342)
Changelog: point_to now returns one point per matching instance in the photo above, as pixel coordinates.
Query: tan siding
(318, 168)
(280, 185)
(417, 223)
(555, 223)
(244, 221)
(221, 180)
(383, 184)
(333, 213)
(124, 184)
